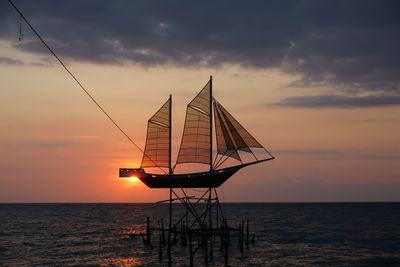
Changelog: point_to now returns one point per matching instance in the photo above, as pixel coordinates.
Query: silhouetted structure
(204, 222)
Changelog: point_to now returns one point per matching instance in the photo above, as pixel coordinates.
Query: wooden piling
(211, 247)
(239, 233)
(222, 238)
(174, 230)
(183, 235)
(169, 247)
(242, 231)
(202, 237)
(247, 234)
(148, 234)
(241, 236)
(228, 236)
(190, 248)
(226, 241)
(160, 248)
(164, 241)
(143, 238)
(205, 247)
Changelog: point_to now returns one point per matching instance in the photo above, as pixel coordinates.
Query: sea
(285, 234)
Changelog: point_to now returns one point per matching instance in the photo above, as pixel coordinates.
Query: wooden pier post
(202, 237)
(169, 227)
(183, 235)
(241, 236)
(247, 234)
(169, 247)
(239, 233)
(190, 248)
(242, 231)
(211, 248)
(143, 238)
(174, 230)
(164, 241)
(160, 249)
(205, 246)
(222, 238)
(226, 241)
(228, 236)
(148, 234)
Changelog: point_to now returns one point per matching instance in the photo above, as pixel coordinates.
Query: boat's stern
(146, 178)
(128, 173)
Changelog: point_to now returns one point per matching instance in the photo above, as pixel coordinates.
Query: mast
(170, 139)
(170, 189)
(211, 146)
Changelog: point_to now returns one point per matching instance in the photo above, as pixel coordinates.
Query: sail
(225, 144)
(242, 138)
(195, 144)
(156, 151)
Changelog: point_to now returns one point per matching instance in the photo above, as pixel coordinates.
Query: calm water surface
(329, 234)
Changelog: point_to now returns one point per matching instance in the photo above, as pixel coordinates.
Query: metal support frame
(200, 214)
(200, 225)
(198, 219)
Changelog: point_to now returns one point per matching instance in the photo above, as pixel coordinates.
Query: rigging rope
(21, 35)
(79, 83)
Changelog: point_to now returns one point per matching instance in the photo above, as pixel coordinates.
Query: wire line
(79, 83)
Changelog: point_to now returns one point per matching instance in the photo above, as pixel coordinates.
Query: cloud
(350, 45)
(10, 61)
(39, 64)
(17, 62)
(335, 154)
(55, 143)
(309, 152)
(339, 101)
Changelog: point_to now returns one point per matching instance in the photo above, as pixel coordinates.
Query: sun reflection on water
(132, 230)
(123, 262)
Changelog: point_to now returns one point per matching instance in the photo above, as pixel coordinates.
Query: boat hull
(214, 178)
(193, 180)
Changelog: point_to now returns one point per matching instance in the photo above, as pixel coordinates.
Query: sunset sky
(316, 82)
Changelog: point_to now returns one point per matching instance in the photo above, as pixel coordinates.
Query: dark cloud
(351, 45)
(17, 62)
(10, 61)
(39, 64)
(339, 101)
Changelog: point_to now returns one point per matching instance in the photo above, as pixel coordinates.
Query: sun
(133, 179)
